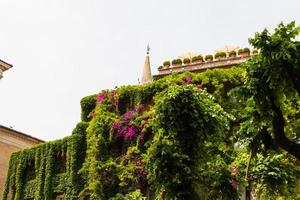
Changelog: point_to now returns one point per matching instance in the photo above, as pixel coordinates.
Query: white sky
(63, 50)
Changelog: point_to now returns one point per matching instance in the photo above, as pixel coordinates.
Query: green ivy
(88, 103)
(176, 159)
(180, 145)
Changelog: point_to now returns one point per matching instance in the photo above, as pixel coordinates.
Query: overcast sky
(63, 50)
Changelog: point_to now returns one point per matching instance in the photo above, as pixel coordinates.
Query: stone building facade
(12, 141)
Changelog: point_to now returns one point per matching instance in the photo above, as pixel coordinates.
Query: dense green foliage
(87, 105)
(274, 87)
(232, 54)
(198, 58)
(180, 147)
(94, 163)
(220, 55)
(166, 63)
(244, 50)
(209, 57)
(254, 52)
(48, 169)
(177, 62)
(173, 139)
(186, 61)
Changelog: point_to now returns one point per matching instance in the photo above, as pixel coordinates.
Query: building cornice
(4, 65)
(20, 135)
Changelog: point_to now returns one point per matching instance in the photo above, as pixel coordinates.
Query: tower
(146, 75)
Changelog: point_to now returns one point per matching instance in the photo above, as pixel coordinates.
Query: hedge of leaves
(221, 54)
(171, 139)
(32, 172)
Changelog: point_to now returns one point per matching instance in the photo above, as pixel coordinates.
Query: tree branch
(280, 138)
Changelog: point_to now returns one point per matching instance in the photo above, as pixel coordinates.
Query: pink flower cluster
(187, 80)
(101, 97)
(234, 184)
(235, 171)
(124, 129)
(138, 161)
(142, 172)
(113, 98)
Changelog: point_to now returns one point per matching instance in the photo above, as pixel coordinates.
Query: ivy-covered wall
(48, 169)
(171, 139)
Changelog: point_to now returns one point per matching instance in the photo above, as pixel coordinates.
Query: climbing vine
(171, 139)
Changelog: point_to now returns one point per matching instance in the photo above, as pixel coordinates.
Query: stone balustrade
(198, 67)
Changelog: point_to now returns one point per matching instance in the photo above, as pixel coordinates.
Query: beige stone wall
(11, 141)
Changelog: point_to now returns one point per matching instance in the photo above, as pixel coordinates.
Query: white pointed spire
(146, 75)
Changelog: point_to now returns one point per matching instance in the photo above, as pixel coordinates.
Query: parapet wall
(204, 65)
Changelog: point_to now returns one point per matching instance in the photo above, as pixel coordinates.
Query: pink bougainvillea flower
(120, 131)
(123, 131)
(188, 80)
(138, 162)
(101, 97)
(234, 184)
(143, 172)
(131, 132)
(125, 128)
(116, 125)
(142, 137)
(128, 116)
(113, 93)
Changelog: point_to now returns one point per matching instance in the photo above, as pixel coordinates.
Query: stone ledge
(17, 134)
(198, 67)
